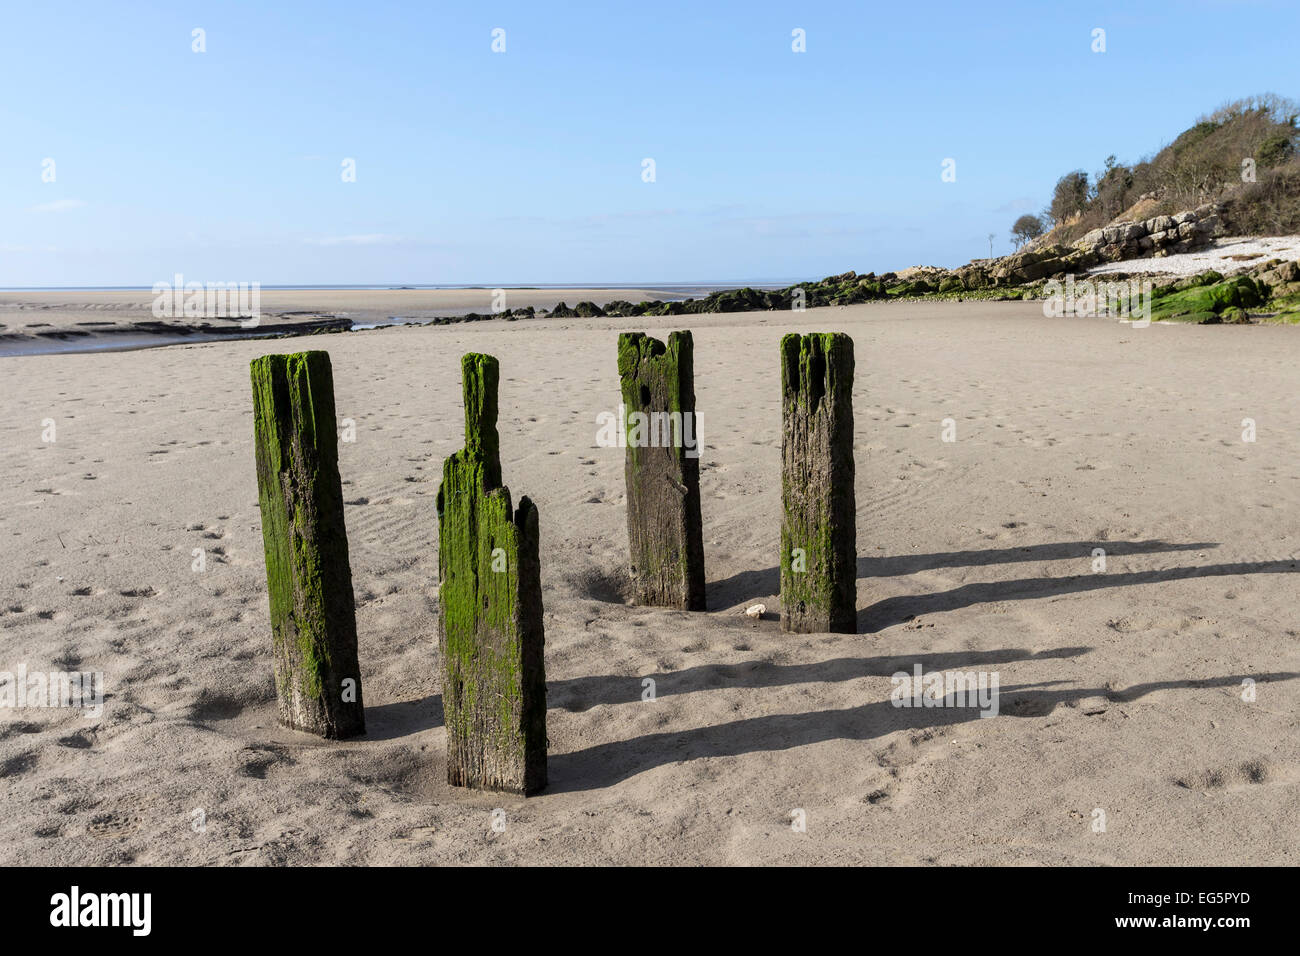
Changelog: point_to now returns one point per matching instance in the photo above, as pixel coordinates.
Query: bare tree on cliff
(1028, 227)
(1070, 198)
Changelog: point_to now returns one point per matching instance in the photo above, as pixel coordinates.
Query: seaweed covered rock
(1207, 302)
(910, 289)
(620, 307)
(736, 300)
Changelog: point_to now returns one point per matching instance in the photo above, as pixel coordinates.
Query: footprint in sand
(19, 764)
(214, 707)
(80, 740)
(17, 727)
(104, 826)
(256, 761)
(1239, 777)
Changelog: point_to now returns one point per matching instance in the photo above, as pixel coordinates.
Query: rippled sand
(1121, 690)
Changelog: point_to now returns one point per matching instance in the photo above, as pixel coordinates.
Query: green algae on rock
(490, 596)
(662, 470)
(309, 579)
(1207, 299)
(819, 518)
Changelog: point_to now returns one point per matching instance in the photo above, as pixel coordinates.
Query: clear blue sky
(526, 166)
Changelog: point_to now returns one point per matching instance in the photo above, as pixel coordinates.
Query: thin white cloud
(369, 239)
(593, 219)
(7, 248)
(59, 205)
(1019, 204)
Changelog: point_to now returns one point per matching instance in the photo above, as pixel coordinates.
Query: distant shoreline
(666, 287)
(62, 321)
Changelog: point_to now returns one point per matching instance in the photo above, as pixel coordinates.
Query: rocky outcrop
(1028, 265)
(1282, 278)
(1158, 236)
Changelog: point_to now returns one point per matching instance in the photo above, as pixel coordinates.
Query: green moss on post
(480, 379)
(490, 592)
(662, 470)
(309, 580)
(819, 523)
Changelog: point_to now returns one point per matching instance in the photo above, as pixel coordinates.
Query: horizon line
(440, 286)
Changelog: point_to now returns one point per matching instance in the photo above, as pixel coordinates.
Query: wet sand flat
(67, 320)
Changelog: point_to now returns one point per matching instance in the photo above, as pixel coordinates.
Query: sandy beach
(1121, 690)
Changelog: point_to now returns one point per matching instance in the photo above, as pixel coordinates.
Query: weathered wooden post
(490, 594)
(819, 527)
(662, 470)
(309, 580)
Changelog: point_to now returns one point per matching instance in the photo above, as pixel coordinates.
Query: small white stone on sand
(756, 610)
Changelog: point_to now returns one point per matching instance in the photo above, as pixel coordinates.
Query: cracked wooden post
(819, 526)
(662, 470)
(308, 577)
(490, 596)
